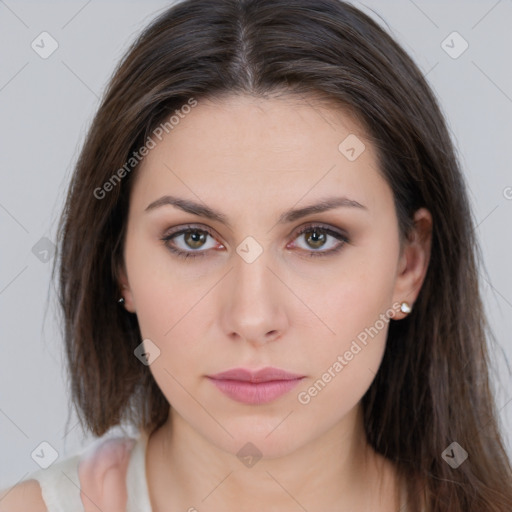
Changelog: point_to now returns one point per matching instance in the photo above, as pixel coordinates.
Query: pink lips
(255, 387)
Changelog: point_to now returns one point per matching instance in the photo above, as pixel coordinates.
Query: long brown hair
(432, 388)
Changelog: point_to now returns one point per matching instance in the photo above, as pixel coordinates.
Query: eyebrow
(189, 206)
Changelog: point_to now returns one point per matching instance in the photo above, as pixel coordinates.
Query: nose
(254, 302)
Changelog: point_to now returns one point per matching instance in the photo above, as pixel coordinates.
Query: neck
(336, 471)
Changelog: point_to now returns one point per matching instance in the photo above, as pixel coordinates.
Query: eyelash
(311, 227)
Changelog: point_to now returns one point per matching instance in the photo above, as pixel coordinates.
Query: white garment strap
(137, 489)
(60, 485)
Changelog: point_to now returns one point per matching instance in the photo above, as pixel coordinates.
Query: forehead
(239, 147)
(245, 127)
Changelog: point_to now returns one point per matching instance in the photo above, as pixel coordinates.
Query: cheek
(359, 316)
(172, 313)
(355, 297)
(165, 297)
(346, 365)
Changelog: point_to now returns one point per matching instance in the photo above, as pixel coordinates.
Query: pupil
(317, 237)
(197, 238)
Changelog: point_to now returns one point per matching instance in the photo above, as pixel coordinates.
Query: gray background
(47, 104)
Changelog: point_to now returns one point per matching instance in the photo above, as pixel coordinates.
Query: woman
(268, 267)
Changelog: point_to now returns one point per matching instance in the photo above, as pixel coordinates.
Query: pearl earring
(121, 300)
(405, 307)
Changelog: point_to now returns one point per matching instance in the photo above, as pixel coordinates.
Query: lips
(255, 387)
(263, 375)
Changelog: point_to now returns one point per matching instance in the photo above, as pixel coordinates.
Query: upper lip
(264, 375)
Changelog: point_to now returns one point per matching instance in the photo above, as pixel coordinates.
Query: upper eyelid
(207, 229)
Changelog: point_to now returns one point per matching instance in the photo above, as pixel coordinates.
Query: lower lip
(255, 393)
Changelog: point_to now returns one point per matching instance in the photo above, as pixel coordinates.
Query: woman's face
(252, 291)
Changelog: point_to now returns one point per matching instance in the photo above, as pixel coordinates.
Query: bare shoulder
(23, 497)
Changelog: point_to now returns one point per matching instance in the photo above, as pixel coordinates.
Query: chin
(259, 437)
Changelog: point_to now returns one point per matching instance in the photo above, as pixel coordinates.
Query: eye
(317, 237)
(190, 242)
(186, 242)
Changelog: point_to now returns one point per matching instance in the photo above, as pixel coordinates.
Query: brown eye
(320, 240)
(315, 238)
(195, 239)
(189, 242)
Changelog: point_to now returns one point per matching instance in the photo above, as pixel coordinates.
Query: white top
(61, 486)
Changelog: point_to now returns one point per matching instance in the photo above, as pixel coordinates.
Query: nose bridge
(252, 278)
(254, 302)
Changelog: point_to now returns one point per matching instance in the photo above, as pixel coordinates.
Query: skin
(252, 159)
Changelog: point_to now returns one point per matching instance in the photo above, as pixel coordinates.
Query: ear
(414, 260)
(125, 290)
